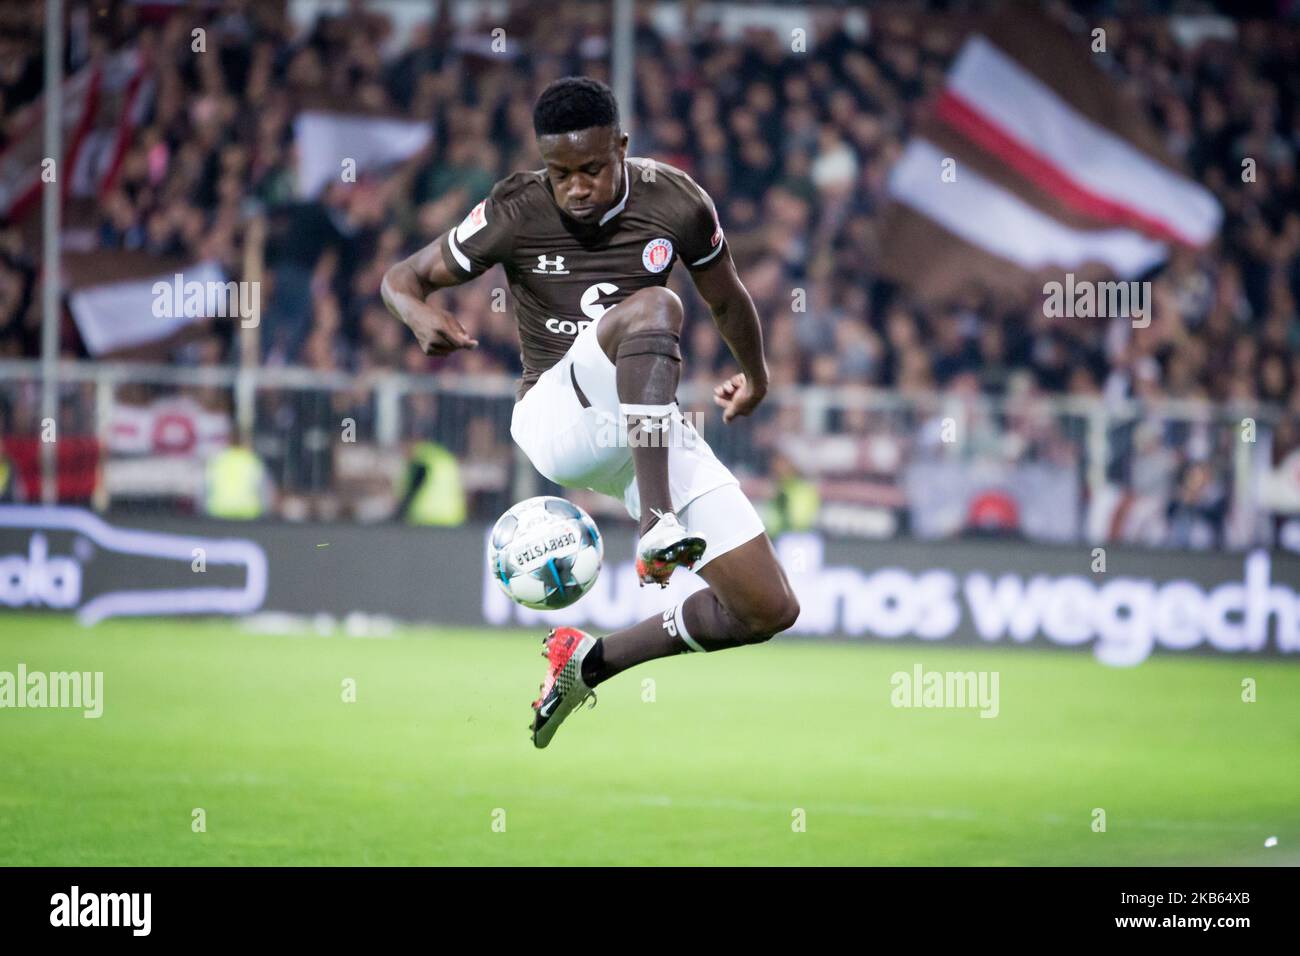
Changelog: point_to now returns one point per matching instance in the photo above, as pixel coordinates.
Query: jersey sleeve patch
(703, 221)
(484, 237)
(473, 222)
(715, 247)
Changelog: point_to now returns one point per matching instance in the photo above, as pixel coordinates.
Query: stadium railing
(1058, 468)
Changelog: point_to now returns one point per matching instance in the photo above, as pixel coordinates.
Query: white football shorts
(587, 447)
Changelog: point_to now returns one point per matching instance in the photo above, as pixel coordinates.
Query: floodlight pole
(51, 197)
(622, 56)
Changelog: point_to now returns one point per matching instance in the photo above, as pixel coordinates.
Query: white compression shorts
(581, 446)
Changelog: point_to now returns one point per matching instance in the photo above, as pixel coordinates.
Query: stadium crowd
(795, 148)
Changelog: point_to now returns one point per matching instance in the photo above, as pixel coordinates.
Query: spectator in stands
(795, 148)
(237, 486)
(433, 492)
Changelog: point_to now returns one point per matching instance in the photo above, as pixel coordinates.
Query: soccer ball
(545, 552)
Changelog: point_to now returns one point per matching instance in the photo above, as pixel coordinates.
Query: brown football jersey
(564, 274)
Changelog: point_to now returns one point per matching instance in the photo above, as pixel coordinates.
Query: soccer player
(587, 244)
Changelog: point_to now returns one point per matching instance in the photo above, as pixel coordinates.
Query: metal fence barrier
(135, 437)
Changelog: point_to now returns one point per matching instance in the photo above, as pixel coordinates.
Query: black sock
(647, 369)
(646, 640)
(701, 622)
(593, 665)
(710, 625)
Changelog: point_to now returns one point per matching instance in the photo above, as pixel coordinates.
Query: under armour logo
(551, 267)
(654, 424)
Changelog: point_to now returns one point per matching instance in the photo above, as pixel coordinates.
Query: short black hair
(573, 103)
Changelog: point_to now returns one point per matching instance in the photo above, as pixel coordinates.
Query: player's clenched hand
(737, 396)
(437, 330)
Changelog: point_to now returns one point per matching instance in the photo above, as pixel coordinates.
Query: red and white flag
(327, 141)
(102, 104)
(1032, 163)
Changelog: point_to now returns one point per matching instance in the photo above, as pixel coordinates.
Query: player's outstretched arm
(404, 290)
(737, 321)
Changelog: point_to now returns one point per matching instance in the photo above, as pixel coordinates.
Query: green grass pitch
(253, 729)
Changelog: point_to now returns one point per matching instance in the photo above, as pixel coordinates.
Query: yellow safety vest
(441, 499)
(795, 507)
(235, 478)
